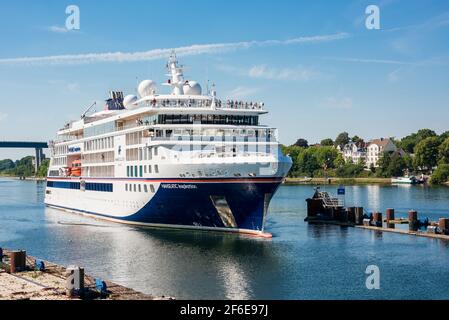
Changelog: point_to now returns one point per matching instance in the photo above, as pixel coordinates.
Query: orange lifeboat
(75, 171)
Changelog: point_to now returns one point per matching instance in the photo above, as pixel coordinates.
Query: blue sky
(318, 68)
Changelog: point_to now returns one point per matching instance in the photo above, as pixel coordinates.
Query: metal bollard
(17, 261)
(101, 286)
(39, 265)
(74, 281)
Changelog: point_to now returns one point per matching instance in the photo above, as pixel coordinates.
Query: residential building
(376, 148)
(354, 152)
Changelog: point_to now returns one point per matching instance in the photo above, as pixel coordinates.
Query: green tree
(339, 161)
(342, 139)
(308, 162)
(327, 142)
(6, 164)
(302, 143)
(444, 151)
(426, 153)
(356, 139)
(349, 170)
(391, 165)
(444, 136)
(326, 156)
(293, 152)
(441, 174)
(43, 169)
(24, 167)
(409, 142)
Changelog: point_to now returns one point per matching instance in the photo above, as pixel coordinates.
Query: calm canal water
(300, 262)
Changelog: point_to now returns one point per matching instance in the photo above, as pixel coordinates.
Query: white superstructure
(183, 159)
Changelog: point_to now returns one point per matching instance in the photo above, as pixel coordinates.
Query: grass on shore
(333, 180)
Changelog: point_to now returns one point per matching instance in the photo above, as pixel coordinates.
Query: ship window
(145, 188)
(156, 168)
(131, 171)
(126, 187)
(152, 188)
(156, 151)
(141, 171)
(149, 168)
(134, 188)
(135, 171)
(127, 174)
(140, 188)
(145, 169)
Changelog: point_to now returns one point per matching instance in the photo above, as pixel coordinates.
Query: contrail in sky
(155, 54)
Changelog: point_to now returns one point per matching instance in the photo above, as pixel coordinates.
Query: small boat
(405, 180)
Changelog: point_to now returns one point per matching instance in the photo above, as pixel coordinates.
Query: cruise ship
(182, 159)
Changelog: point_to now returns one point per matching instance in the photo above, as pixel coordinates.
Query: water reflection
(162, 261)
(373, 193)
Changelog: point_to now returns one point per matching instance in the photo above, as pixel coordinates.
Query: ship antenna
(176, 73)
(87, 110)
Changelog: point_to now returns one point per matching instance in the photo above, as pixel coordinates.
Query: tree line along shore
(421, 153)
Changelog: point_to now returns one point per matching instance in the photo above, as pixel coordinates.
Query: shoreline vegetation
(423, 154)
(336, 181)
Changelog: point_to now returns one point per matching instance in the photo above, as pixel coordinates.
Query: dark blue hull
(236, 205)
(195, 204)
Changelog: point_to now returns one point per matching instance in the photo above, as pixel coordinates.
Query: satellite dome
(129, 101)
(192, 88)
(146, 88)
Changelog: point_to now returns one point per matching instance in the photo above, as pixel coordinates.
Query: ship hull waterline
(237, 207)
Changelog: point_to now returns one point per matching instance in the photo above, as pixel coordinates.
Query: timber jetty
(324, 208)
(24, 277)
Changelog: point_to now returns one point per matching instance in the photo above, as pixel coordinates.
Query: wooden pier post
(390, 216)
(359, 216)
(413, 220)
(443, 225)
(377, 219)
(351, 214)
(17, 261)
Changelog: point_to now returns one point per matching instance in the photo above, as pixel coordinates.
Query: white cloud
(163, 53)
(242, 92)
(394, 75)
(340, 103)
(299, 73)
(3, 116)
(295, 73)
(378, 61)
(71, 87)
(58, 29)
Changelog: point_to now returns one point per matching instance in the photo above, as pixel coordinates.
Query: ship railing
(206, 103)
(206, 155)
(215, 139)
(330, 202)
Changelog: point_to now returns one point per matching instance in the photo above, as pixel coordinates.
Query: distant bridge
(38, 146)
